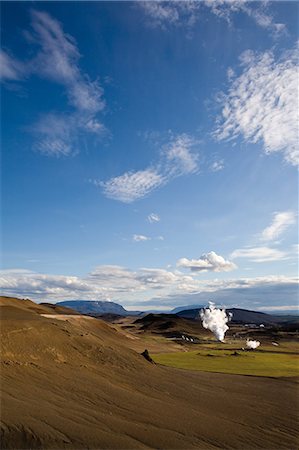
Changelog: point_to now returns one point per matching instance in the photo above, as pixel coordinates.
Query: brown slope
(22, 304)
(72, 383)
(56, 309)
(28, 305)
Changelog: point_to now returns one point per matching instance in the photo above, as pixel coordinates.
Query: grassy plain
(267, 361)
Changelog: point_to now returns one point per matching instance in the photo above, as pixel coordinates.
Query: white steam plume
(252, 344)
(215, 320)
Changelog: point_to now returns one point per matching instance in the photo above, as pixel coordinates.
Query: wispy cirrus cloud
(164, 14)
(177, 158)
(259, 254)
(281, 221)
(168, 14)
(57, 60)
(216, 166)
(262, 104)
(153, 218)
(257, 11)
(54, 134)
(143, 238)
(264, 253)
(11, 68)
(207, 262)
(132, 186)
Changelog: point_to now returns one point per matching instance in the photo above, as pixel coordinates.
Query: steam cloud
(215, 320)
(252, 344)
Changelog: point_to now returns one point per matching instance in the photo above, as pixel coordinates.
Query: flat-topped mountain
(170, 325)
(94, 307)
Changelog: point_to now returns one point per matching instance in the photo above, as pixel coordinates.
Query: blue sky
(150, 152)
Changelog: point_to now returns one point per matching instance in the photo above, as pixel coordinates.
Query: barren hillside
(72, 382)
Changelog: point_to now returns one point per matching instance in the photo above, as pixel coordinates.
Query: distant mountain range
(242, 316)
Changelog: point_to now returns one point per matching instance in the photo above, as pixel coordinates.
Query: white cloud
(180, 159)
(57, 60)
(281, 221)
(156, 287)
(153, 218)
(58, 134)
(177, 158)
(230, 73)
(160, 13)
(257, 11)
(105, 282)
(186, 13)
(140, 238)
(250, 293)
(262, 104)
(216, 166)
(26, 283)
(207, 262)
(132, 186)
(53, 135)
(260, 254)
(157, 278)
(10, 68)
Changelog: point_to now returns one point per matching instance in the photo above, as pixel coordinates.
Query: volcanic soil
(73, 382)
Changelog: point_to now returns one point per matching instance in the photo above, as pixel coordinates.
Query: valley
(71, 381)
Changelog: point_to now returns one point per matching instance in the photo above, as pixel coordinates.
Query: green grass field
(258, 363)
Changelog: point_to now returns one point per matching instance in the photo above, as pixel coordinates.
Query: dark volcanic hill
(170, 325)
(246, 316)
(95, 307)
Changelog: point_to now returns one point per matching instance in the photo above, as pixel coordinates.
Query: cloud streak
(177, 158)
(140, 238)
(57, 60)
(153, 218)
(260, 254)
(261, 104)
(263, 253)
(216, 166)
(132, 186)
(172, 14)
(10, 68)
(257, 11)
(281, 221)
